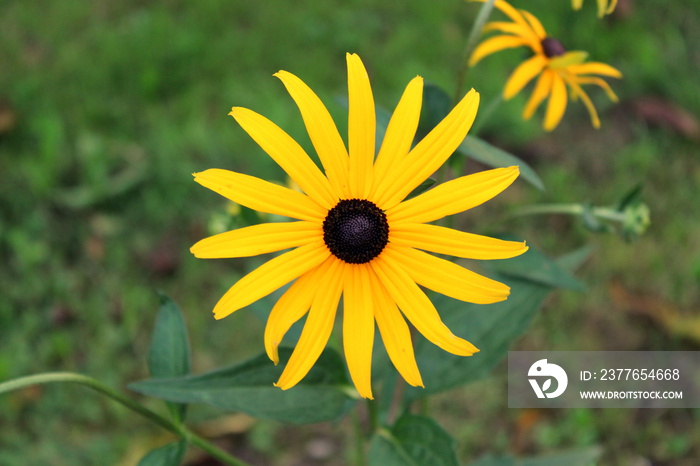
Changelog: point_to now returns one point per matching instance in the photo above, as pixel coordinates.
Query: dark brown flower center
(356, 231)
(552, 47)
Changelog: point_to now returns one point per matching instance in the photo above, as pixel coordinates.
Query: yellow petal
(399, 133)
(417, 307)
(541, 91)
(358, 326)
(322, 131)
(523, 74)
(509, 11)
(429, 154)
(443, 240)
(537, 27)
(493, 45)
(361, 128)
(579, 92)
(257, 239)
(446, 277)
(288, 154)
(515, 29)
(317, 328)
(395, 334)
(453, 196)
(260, 195)
(598, 82)
(604, 8)
(292, 306)
(595, 68)
(577, 4)
(557, 103)
(273, 274)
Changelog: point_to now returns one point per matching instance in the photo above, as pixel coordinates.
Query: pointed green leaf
(324, 394)
(168, 455)
(483, 152)
(574, 259)
(413, 440)
(169, 353)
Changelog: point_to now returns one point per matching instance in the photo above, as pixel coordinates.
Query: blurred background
(107, 107)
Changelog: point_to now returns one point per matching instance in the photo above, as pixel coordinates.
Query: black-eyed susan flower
(557, 68)
(355, 234)
(605, 7)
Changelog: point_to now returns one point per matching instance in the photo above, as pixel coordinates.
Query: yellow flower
(556, 67)
(605, 7)
(355, 234)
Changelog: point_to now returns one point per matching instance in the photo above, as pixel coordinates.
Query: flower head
(557, 68)
(354, 233)
(605, 7)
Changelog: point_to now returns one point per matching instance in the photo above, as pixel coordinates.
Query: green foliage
(581, 457)
(492, 156)
(167, 455)
(412, 441)
(169, 353)
(247, 387)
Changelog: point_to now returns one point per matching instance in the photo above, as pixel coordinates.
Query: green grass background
(116, 103)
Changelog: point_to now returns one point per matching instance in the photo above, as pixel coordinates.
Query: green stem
(477, 27)
(488, 112)
(178, 429)
(605, 213)
(373, 415)
(359, 439)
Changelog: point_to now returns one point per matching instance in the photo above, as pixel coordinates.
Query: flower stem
(178, 429)
(477, 27)
(604, 213)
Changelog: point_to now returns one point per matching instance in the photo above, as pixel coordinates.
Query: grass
(116, 103)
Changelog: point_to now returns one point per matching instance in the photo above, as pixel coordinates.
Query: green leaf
(579, 457)
(168, 455)
(574, 259)
(324, 394)
(631, 197)
(491, 328)
(413, 440)
(536, 267)
(169, 353)
(421, 188)
(483, 152)
(436, 106)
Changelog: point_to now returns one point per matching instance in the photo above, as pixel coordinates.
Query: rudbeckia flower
(605, 7)
(557, 68)
(355, 234)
